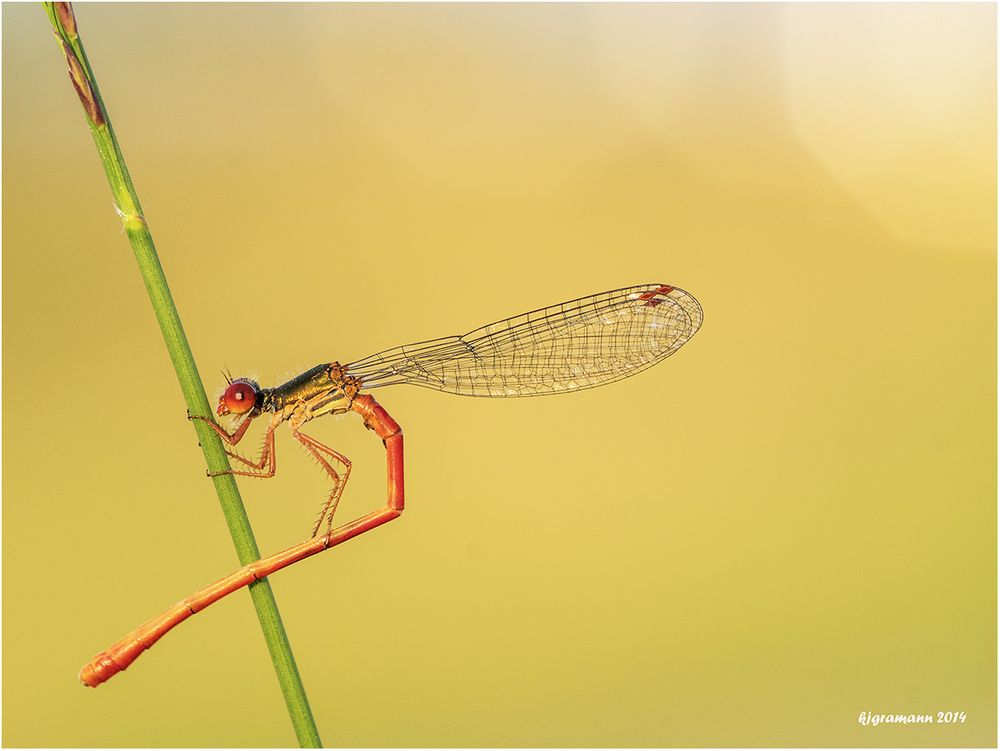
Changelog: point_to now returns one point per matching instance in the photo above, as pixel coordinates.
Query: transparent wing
(567, 347)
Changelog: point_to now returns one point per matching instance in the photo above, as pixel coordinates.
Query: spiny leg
(267, 456)
(231, 438)
(316, 450)
(264, 467)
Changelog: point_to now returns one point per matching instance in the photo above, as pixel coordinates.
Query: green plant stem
(64, 25)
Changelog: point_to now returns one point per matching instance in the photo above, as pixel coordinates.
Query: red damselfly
(568, 347)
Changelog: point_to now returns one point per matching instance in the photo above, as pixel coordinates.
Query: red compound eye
(238, 399)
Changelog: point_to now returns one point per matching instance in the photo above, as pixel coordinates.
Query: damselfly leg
(323, 454)
(263, 467)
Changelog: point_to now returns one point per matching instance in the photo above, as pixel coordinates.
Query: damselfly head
(240, 397)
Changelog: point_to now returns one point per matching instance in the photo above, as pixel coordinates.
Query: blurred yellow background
(790, 522)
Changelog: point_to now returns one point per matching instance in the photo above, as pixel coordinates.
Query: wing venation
(567, 347)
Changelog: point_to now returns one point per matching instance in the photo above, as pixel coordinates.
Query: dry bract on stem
(82, 85)
(67, 18)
